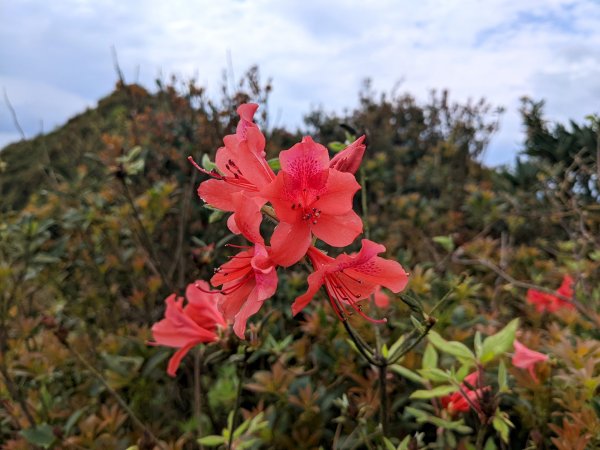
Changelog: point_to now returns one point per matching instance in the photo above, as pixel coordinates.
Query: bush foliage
(101, 222)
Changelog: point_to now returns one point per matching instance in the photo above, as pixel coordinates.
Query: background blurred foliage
(100, 222)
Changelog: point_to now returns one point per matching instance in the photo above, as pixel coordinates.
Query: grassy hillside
(51, 158)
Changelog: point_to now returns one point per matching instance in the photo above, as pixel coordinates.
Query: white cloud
(319, 53)
(38, 106)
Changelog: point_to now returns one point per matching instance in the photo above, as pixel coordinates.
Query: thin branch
(114, 393)
(13, 114)
(113, 52)
(183, 220)
(134, 109)
(144, 237)
(363, 348)
(403, 350)
(198, 354)
(238, 399)
(384, 399)
(16, 394)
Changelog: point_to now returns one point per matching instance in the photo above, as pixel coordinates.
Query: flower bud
(349, 159)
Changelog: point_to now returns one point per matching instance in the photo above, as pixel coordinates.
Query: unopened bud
(349, 159)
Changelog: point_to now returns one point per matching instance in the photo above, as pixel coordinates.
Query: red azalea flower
(241, 164)
(551, 303)
(309, 197)
(247, 281)
(525, 358)
(349, 159)
(246, 112)
(350, 278)
(186, 327)
(461, 401)
(247, 217)
(382, 300)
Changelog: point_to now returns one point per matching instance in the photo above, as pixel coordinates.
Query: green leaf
(436, 375)
(456, 425)
(134, 153)
(353, 345)
(211, 441)
(445, 241)
(241, 429)
(215, 216)
(407, 373)
(490, 444)
(349, 136)
(477, 344)
(199, 242)
(464, 370)
(418, 325)
(396, 345)
(415, 306)
(404, 444)
(502, 377)
(45, 258)
(388, 444)
(417, 413)
(336, 146)
(154, 361)
(207, 164)
(384, 351)
(430, 357)
(257, 423)
(135, 167)
(454, 348)
(73, 419)
(247, 444)
(274, 164)
(123, 365)
(41, 435)
(439, 391)
(501, 427)
(495, 345)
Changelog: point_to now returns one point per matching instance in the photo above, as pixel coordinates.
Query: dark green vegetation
(101, 222)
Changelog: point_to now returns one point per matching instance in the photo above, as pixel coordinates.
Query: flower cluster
(468, 395)
(187, 326)
(552, 303)
(525, 358)
(310, 198)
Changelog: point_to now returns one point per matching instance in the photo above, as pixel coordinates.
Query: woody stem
(361, 345)
(270, 213)
(238, 399)
(383, 362)
(383, 395)
(198, 390)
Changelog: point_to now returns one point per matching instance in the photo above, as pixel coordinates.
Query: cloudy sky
(55, 57)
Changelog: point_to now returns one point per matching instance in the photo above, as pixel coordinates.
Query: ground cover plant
(363, 283)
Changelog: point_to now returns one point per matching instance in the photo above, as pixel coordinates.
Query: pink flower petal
(525, 358)
(338, 230)
(339, 191)
(289, 243)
